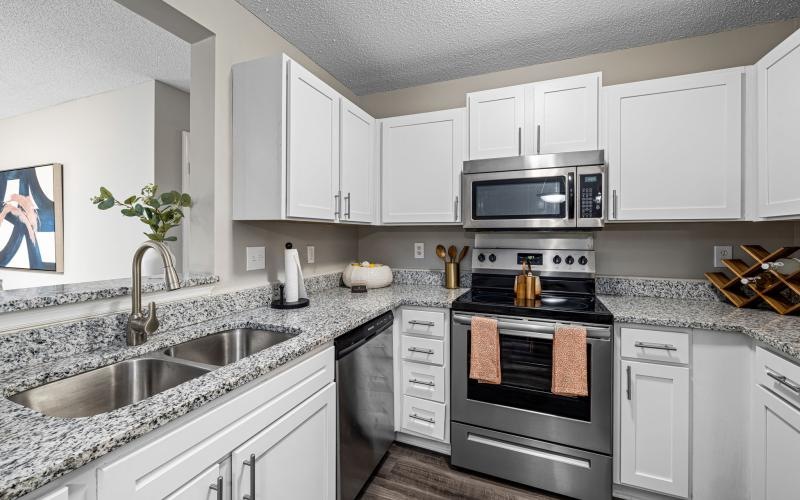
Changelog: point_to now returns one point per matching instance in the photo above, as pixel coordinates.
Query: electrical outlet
(256, 258)
(722, 252)
(419, 250)
(310, 254)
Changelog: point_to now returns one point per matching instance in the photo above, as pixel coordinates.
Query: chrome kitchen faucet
(141, 324)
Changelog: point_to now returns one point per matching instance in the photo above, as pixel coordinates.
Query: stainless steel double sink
(127, 382)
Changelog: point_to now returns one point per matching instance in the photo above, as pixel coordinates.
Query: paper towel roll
(294, 288)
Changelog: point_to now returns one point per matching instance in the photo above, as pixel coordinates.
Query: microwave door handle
(571, 196)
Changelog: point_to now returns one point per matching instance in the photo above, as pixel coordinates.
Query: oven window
(539, 198)
(527, 367)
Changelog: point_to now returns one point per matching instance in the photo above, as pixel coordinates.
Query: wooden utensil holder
(774, 294)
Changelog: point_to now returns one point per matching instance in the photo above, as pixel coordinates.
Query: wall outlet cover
(722, 252)
(256, 258)
(310, 254)
(419, 250)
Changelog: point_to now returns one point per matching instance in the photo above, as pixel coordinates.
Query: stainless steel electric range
(518, 430)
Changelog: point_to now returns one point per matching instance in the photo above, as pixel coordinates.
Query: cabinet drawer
(655, 345)
(423, 381)
(423, 350)
(779, 375)
(429, 323)
(424, 417)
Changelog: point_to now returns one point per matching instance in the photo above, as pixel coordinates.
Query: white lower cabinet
(654, 421)
(295, 457)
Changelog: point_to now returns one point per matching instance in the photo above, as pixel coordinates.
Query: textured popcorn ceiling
(53, 51)
(378, 45)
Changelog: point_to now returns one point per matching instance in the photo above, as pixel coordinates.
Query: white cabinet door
(495, 122)
(778, 123)
(654, 427)
(357, 164)
(421, 165)
(295, 457)
(313, 146)
(565, 114)
(674, 147)
(776, 448)
(208, 485)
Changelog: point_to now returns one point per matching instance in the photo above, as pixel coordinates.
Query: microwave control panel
(591, 196)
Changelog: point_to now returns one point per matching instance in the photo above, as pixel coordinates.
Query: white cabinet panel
(424, 417)
(654, 427)
(776, 446)
(423, 381)
(59, 494)
(295, 457)
(200, 488)
(423, 322)
(357, 164)
(778, 123)
(496, 122)
(655, 345)
(565, 114)
(422, 158)
(313, 146)
(422, 350)
(674, 147)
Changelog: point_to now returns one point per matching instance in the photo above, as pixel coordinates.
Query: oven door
(523, 404)
(520, 199)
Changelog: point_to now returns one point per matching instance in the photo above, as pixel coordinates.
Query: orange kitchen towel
(569, 361)
(484, 361)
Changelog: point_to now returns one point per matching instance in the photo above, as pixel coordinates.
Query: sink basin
(226, 347)
(107, 388)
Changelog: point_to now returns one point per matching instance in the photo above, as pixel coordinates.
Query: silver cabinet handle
(455, 209)
(347, 204)
(519, 141)
(218, 488)
(628, 391)
(421, 323)
(423, 419)
(538, 139)
(661, 347)
(421, 382)
(337, 204)
(423, 351)
(252, 464)
(614, 203)
(781, 379)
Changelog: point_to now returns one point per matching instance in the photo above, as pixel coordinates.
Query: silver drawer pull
(781, 379)
(421, 323)
(422, 351)
(662, 347)
(424, 419)
(252, 464)
(218, 488)
(421, 382)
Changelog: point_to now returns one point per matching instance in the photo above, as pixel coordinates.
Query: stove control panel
(507, 259)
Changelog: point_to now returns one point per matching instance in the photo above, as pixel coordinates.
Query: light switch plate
(722, 252)
(419, 250)
(310, 254)
(256, 258)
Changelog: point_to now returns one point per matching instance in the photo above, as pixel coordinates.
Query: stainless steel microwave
(555, 191)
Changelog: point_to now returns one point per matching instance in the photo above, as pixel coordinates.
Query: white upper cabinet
(496, 122)
(778, 123)
(422, 157)
(674, 147)
(291, 132)
(313, 138)
(565, 114)
(357, 164)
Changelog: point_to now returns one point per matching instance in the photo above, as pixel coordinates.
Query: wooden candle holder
(773, 294)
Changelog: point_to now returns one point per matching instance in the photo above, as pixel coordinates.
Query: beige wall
(721, 50)
(240, 36)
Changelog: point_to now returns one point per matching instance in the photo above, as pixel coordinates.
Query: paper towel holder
(280, 302)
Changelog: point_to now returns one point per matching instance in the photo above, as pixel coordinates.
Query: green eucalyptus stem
(159, 212)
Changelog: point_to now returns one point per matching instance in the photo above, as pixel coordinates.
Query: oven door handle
(536, 331)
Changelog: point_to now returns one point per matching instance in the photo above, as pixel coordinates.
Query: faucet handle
(151, 320)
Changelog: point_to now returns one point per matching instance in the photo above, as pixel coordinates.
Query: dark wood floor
(409, 472)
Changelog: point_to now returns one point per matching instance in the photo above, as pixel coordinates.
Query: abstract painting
(31, 221)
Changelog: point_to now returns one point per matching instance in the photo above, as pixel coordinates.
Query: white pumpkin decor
(374, 275)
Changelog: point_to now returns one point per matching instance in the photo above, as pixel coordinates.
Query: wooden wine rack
(751, 294)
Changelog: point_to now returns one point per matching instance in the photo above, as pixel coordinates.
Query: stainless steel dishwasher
(365, 392)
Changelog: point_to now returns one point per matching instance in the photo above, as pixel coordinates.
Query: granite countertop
(36, 449)
(781, 333)
(23, 299)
